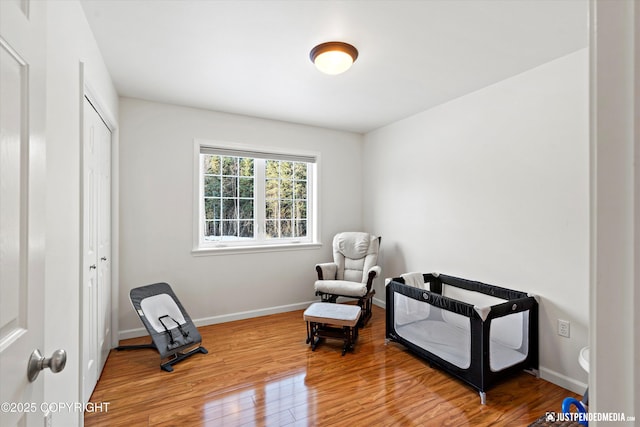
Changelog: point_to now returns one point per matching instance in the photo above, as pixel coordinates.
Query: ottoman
(332, 320)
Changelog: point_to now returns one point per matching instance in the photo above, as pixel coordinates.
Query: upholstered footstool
(332, 320)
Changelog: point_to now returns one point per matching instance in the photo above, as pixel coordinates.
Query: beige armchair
(352, 271)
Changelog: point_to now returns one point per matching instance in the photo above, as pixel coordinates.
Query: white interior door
(22, 203)
(96, 292)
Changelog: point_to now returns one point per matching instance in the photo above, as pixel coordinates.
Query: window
(249, 197)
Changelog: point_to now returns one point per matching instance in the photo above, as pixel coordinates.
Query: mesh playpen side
(476, 332)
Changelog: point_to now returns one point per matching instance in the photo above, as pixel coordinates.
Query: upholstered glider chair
(352, 271)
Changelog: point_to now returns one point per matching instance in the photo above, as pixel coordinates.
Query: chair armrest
(327, 271)
(374, 272)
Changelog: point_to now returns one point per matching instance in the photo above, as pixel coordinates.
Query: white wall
(494, 186)
(156, 213)
(69, 41)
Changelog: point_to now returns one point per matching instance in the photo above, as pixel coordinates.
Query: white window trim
(202, 249)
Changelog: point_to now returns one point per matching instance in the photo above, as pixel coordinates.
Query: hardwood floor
(260, 372)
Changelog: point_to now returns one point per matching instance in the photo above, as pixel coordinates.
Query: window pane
(229, 228)
(211, 164)
(246, 208)
(229, 186)
(272, 169)
(229, 209)
(211, 229)
(246, 166)
(300, 171)
(230, 166)
(271, 209)
(217, 211)
(301, 210)
(211, 186)
(246, 229)
(272, 189)
(246, 187)
(286, 192)
(286, 229)
(286, 209)
(301, 229)
(286, 169)
(211, 208)
(300, 190)
(271, 229)
(286, 189)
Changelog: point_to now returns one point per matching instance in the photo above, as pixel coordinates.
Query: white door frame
(614, 347)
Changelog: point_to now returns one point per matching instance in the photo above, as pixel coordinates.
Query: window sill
(225, 250)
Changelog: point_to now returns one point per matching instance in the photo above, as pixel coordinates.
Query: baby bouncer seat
(172, 331)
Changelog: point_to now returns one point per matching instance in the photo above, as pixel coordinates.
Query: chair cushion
(354, 253)
(352, 244)
(341, 287)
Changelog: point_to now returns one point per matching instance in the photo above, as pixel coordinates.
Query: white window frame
(204, 247)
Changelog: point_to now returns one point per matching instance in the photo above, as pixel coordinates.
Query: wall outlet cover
(564, 328)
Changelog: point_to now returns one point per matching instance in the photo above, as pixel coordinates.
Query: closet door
(96, 230)
(103, 140)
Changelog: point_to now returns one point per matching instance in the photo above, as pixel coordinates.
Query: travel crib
(173, 334)
(476, 332)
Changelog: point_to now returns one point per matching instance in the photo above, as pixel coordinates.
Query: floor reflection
(277, 402)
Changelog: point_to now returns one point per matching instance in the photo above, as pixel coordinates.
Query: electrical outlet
(564, 328)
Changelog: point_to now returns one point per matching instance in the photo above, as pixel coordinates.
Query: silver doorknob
(37, 362)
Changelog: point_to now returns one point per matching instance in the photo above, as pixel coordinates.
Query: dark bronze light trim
(334, 46)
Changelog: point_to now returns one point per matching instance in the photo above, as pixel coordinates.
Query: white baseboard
(141, 332)
(380, 303)
(563, 381)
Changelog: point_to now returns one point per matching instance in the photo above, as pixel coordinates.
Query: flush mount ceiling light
(333, 57)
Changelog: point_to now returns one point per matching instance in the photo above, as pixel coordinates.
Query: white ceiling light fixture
(333, 57)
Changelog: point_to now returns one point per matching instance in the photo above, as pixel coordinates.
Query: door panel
(89, 267)
(96, 291)
(103, 139)
(22, 196)
(13, 289)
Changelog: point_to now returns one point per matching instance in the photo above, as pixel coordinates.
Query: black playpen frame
(479, 374)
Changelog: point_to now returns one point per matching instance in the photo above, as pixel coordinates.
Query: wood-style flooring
(260, 372)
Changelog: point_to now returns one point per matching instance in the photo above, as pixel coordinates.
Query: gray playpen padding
(172, 331)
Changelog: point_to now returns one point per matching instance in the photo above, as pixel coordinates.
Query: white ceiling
(252, 57)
